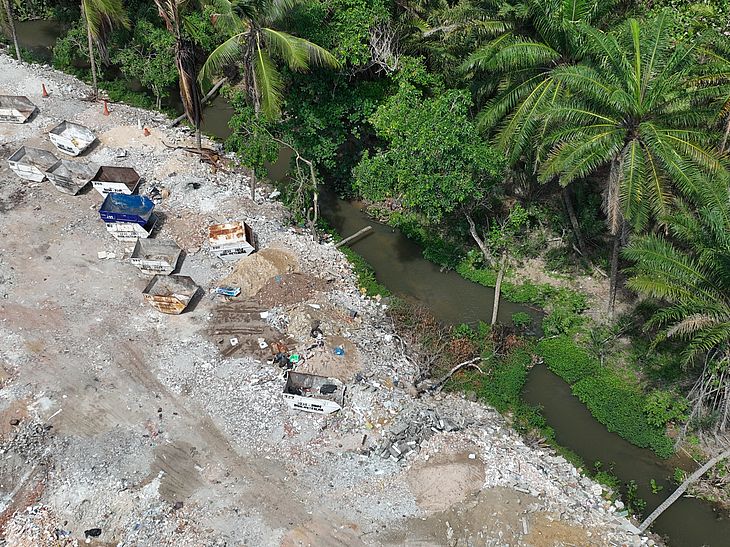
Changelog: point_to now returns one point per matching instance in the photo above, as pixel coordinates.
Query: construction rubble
(121, 425)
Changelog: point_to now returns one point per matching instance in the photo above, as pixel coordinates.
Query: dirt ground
(159, 431)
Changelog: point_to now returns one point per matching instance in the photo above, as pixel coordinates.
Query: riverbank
(149, 428)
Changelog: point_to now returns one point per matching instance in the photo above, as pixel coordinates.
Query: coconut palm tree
(629, 109)
(514, 71)
(7, 21)
(100, 17)
(185, 61)
(689, 270)
(253, 45)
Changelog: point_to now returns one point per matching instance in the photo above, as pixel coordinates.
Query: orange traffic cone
(45, 92)
(146, 132)
(106, 109)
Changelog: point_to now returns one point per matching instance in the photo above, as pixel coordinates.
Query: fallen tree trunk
(213, 91)
(354, 236)
(439, 383)
(682, 489)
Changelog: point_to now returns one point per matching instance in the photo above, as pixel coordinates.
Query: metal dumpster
(156, 256)
(231, 240)
(120, 180)
(71, 138)
(128, 217)
(312, 393)
(126, 208)
(15, 108)
(70, 177)
(170, 293)
(31, 163)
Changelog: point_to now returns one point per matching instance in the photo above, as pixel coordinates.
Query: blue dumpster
(126, 208)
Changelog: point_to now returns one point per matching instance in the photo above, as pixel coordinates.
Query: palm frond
(269, 84)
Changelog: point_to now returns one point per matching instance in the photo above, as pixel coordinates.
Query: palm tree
(516, 70)
(101, 16)
(629, 109)
(7, 21)
(185, 61)
(691, 273)
(254, 43)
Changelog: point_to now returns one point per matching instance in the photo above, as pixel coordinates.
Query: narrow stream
(400, 266)
(39, 37)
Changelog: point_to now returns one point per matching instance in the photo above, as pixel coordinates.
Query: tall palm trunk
(11, 25)
(92, 59)
(617, 226)
(567, 200)
(725, 136)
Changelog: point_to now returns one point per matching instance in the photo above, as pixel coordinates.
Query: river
(400, 266)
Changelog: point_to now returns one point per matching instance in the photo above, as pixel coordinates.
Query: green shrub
(508, 378)
(662, 407)
(521, 319)
(566, 359)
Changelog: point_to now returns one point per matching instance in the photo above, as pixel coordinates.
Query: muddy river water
(400, 266)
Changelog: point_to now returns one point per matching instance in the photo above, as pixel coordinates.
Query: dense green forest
(590, 138)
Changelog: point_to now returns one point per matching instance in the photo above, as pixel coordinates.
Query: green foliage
(566, 359)
(621, 409)
(679, 475)
(521, 320)
(150, 58)
(341, 26)
(662, 407)
(609, 114)
(614, 403)
(251, 138)
(435, 248)
(655, 488)
(693, 18)
(436, 161)
(507, 379)
(256, 44)
(71, 52)
(635, 504)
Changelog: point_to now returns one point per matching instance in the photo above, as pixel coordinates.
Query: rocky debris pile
(410, 429)
(37, 526)
(28, 441)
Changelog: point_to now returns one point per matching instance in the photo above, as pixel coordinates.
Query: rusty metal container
(156, 256)
(70, 177)
(16, 108)
(119, 180)
(170, 293)
(231, 240)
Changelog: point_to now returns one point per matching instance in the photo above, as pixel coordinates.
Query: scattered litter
(315, 306)
(312, 393)
(262, 343)
(264, 314)
(339, 350)
(234, 341)
(228, 291)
